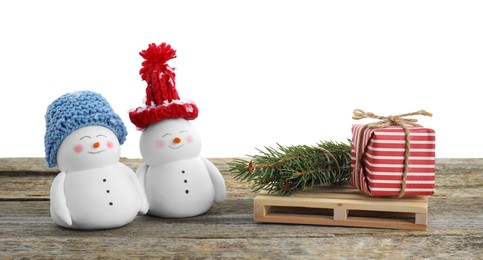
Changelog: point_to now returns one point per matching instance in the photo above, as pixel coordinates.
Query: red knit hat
(162, 100)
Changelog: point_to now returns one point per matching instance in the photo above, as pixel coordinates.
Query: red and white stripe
(383, 160)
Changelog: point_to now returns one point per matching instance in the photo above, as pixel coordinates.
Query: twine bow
(385, 121)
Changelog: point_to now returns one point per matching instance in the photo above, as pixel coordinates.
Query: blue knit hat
(76, 110)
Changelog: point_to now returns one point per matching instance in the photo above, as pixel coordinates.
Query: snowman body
(101, 198)
(178, 182)
(181, 188)
(94, 190)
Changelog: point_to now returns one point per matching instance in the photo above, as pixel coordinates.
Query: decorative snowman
(93, 190)
(178, 181)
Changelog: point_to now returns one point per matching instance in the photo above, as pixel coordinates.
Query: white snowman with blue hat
(93, 190)
(178, 181)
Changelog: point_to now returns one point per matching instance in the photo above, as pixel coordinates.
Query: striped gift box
(382, 161)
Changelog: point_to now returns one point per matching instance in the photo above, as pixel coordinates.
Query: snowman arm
(139, 188)
(141, 176)
(217, 179)
(58, 202)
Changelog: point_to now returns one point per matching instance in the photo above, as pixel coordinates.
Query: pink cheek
(78, 148)
(189, 139)
(110, 144)
(160, 144)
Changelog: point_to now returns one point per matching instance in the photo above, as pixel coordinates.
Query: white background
(261, 72)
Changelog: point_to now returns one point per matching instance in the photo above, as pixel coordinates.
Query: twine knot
(385, 121)
(392, 120)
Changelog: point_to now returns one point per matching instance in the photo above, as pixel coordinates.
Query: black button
(110, 203)
(187, 191)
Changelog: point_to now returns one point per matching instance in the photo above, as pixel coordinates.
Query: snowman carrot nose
(96, 145)
(177, 140)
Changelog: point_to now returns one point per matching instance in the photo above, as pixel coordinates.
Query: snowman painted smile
(96, 152)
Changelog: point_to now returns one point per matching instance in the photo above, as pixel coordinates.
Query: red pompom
(155, 58)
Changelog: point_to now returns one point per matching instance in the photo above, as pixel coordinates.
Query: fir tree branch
(285, 170)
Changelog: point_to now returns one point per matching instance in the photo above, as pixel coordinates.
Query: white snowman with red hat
(178, 182)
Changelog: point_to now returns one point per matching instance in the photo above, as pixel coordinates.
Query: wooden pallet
(342, 207)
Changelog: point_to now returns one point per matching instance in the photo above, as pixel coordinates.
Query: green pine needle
(285, 170)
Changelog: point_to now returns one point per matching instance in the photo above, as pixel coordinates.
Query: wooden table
(455, 228)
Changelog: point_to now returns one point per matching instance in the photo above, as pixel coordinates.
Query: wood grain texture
(227, 231)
